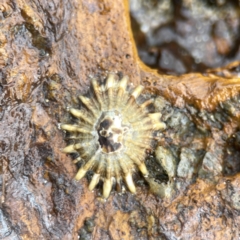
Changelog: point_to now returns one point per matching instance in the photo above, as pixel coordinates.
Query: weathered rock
(48, 52)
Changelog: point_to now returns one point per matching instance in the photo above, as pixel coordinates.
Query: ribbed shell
(112, 133)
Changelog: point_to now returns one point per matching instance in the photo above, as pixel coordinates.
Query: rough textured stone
(48, 51)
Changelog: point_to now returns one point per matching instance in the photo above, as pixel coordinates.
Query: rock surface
(48, 52)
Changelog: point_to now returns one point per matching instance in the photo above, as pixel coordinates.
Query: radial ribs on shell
(113, 130)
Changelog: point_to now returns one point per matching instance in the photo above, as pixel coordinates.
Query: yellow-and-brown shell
(113, 130)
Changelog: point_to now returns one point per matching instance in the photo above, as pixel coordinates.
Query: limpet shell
(112, 132)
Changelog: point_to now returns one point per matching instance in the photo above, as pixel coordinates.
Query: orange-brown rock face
(49, 52)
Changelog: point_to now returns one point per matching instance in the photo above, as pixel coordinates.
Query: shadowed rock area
(49, 50)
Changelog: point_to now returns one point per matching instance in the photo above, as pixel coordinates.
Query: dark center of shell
(110, 131)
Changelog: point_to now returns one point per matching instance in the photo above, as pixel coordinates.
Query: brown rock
(48, 51)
